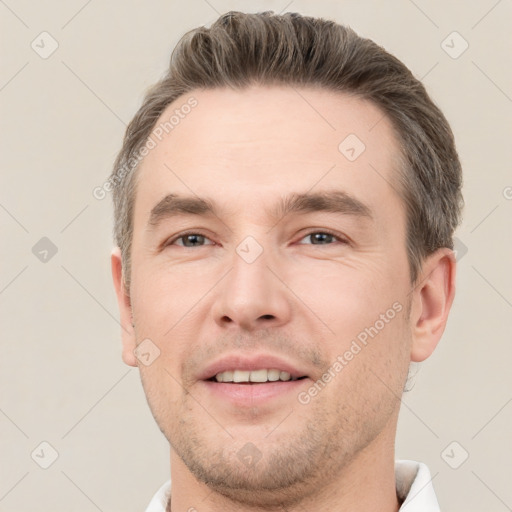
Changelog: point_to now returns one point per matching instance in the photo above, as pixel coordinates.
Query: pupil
(320, 237)
(194, 239)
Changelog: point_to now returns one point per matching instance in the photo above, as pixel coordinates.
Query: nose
(252, 296)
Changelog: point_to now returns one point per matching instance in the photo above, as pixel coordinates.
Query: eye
(190, 240)
(323, 238)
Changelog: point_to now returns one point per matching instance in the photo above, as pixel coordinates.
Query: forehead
(252, 145)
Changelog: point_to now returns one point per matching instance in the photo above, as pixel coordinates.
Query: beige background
(62, 119)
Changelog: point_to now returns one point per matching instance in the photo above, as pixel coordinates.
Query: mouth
(247, 380)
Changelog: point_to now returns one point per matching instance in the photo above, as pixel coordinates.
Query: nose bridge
(251, 295)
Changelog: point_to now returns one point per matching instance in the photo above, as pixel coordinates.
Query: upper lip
(249, 363)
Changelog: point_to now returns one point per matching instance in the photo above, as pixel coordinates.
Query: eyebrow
(334, 201)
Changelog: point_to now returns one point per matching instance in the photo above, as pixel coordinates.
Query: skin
(303, 301)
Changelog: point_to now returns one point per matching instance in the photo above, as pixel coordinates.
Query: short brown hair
(241, 49)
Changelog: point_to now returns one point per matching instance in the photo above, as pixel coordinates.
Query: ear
(125, 309)
(432, 299)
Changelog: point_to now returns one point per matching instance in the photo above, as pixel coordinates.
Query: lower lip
(249, 395)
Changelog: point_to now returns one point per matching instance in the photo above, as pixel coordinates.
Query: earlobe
(125, 309)
(432, 299)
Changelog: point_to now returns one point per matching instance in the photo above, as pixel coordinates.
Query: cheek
(375, 364)
(165, 298)
(346, 297)
(363, 316)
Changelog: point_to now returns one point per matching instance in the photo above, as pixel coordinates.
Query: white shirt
(413, 485)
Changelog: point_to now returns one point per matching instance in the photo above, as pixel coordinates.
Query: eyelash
(339, 238)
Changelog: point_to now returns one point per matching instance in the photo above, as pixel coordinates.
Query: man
(285, 201)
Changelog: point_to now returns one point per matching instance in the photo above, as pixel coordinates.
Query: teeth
(273, 375)
(284, 376)
(263, 375)
(240, 376)
(258, 376)
(224, 377)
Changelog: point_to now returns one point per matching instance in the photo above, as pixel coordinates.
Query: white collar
(413, 485)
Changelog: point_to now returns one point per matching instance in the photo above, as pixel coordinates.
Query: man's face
(248, 283)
